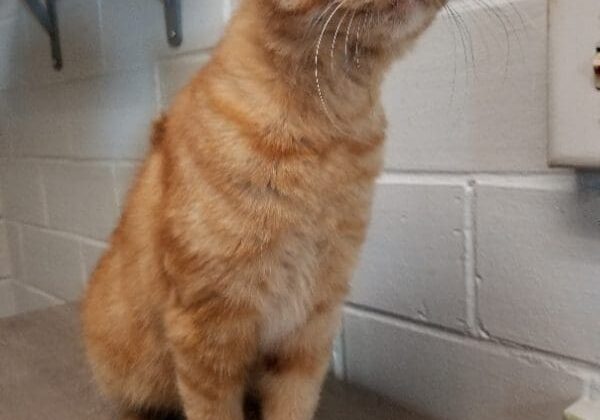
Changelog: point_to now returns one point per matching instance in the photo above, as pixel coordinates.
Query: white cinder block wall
(477, 295)
(70, 141)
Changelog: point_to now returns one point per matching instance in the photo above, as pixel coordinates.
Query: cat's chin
(402, 21)
(403, 7)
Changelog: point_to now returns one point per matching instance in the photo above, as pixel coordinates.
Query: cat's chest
(301, 276)
(332, 201)
(291, 290)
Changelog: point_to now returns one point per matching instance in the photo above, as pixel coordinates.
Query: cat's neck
(300, 76)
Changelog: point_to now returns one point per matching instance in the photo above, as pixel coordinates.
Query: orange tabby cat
(231, 261)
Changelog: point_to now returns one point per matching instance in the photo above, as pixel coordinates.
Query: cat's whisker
(359, 31)
(517, 12)
(455, 46)
(458, 23)
(469, 51)
(317, 19)
(370, 24)
(335, 36)
(348, 35)
(501, 16)
(522, 22)
(317, 51)
(498, 14)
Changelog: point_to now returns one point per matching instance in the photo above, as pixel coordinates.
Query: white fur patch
(290, 298)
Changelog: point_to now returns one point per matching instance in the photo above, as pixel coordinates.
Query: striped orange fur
(232, 258)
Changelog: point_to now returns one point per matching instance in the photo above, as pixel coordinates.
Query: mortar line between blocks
(82, 268)
(594, 386)
(588, 385)
(541, 181)
(483, 173)
(44, 194)
(20, 255)
(113, 173)
(499, 346)
(591, 386)
(158, 99)
(67, 160)
(33, 289)
(422, 179)
(344, 364)
(62, 233)
(101, 28)
(469, 257)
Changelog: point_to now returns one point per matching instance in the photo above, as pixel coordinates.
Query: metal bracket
(173, 21)
(45, 13)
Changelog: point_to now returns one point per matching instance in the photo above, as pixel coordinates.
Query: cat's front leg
(213, 344)
(291, 379)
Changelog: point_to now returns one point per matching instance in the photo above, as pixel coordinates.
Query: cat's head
(383, 23)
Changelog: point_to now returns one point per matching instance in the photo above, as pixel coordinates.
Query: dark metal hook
(45, 13)
(173, 21)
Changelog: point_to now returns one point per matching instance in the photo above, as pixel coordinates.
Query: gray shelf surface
(44, 376)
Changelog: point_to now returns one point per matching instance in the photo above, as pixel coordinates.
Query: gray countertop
(43, 376)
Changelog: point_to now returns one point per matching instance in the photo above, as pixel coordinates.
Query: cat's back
(125, 277)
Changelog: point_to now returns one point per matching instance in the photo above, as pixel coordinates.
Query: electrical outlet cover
(574, 98)
(583, 410)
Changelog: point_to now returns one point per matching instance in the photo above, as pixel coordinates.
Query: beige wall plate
(583, 410)
(574, 97)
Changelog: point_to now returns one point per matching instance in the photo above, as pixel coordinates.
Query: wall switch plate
(574, 97)
(583, 410)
